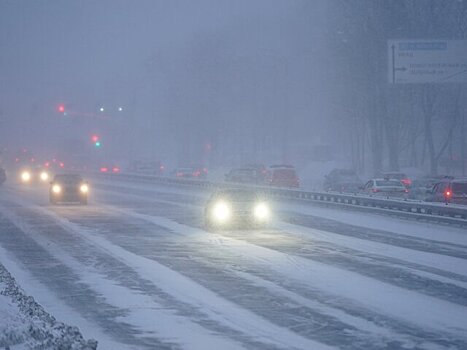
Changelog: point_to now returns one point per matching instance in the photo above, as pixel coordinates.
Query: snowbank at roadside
(24, 324)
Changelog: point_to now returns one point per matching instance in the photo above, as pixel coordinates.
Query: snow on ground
(387, 312)
(26, 325)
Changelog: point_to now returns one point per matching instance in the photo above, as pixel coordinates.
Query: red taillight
(62, 165)
(406, 182)
(448, 193)
(375, 190)
(197, 173)
(406, 190)
(104, 170)
(116, 169)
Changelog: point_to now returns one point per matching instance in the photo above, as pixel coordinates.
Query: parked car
(342, 180)
(230, 208)
(283, 176)
(422, 188)
(385, 188)
(147, 167)
(244, 175)
(449, 191)
(115, 169)
(262, 170)
(393, 175)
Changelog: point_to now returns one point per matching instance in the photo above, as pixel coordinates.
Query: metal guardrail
(439, 212)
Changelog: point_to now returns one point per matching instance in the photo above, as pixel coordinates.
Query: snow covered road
(136, 270)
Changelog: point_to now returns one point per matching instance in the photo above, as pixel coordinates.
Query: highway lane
(127, 261)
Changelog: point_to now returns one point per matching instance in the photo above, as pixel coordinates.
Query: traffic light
(61, 108)
(96, 139)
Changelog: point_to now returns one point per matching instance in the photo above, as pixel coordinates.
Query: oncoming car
(38, 175)
(68, 188)
(230, 208)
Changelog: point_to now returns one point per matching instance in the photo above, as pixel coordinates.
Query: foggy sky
(187, 73)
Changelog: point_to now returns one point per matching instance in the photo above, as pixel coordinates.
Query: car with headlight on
(68, 188)
(25, 175)
(230, 208)
(34, 175)
(41, 174)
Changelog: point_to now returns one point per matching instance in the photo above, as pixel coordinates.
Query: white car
(385, 188)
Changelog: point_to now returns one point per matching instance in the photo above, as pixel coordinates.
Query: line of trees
(397, 125)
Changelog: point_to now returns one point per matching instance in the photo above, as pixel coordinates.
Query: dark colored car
(245, 175)
(449, 191)
(283, 176)
(342, 180)
(2, 176)
(422, 188)
(68, 188)
(230, 208)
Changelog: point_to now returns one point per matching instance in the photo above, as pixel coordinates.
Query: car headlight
(56, 189)
(84, 188)
(44, 176)
(221, 212)
(261, 211)
(25, 176)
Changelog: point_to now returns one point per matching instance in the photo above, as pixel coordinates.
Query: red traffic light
(61, 108)
(95, 138)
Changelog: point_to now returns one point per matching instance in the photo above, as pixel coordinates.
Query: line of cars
(446, 189)
(63, 187)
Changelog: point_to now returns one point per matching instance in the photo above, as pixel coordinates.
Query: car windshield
(459, 188)
(392, 183)
(68, 178)
(284, 173)
(238, 195)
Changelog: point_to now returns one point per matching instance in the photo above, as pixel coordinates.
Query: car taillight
(375, 190)
(104, 170)
(406, 182)
(115, 169)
